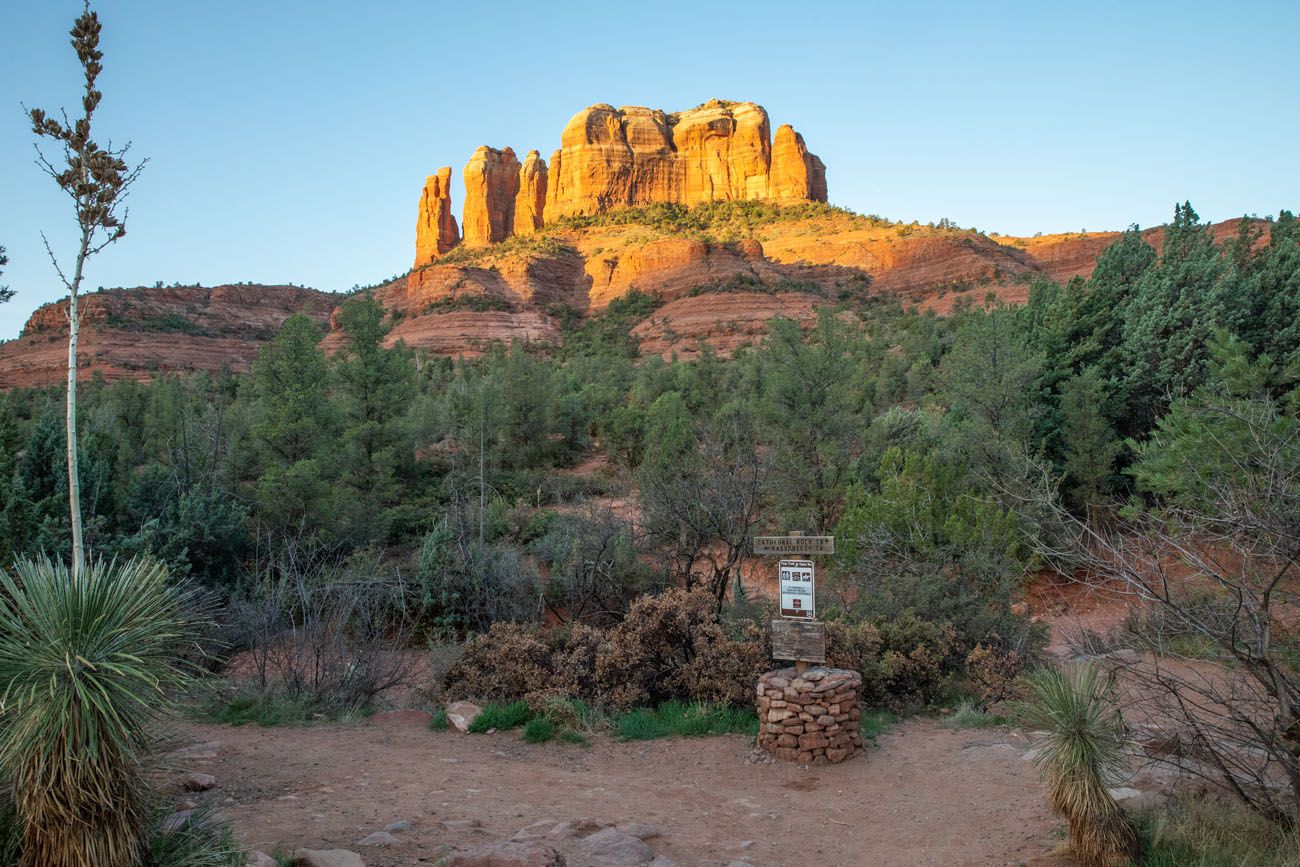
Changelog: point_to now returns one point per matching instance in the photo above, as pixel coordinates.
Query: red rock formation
(531, 200)
(620, 157)
(491, 187)
(435, 232)
(796, 174)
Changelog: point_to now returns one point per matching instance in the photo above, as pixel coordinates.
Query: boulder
(435, 230)
(258, 858)
(401, 826)
(461, 714)
(641, 830)
(379, 838)
(327, 858)
(197, 782)
(208, 750)
(510, 853)
(613, 848)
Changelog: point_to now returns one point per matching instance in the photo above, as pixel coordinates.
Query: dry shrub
(502, 664)
(995, 672)
(576, 651)
(643, 659)
(673, 646)
(724, 669)
(904, 662)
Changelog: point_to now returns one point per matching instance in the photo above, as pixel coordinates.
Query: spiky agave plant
(87, 663)
(1083, 744)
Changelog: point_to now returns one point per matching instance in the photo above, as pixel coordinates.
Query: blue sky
(288, 141)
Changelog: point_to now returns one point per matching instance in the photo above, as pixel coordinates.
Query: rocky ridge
(613, 158)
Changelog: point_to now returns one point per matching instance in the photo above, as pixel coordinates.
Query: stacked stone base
(810, 718)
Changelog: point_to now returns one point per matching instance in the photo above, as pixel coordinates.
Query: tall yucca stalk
(87, 662)
(1083, 744)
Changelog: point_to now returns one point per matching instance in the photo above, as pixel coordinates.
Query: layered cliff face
(139, 333)
(435, 231)
(623, 157)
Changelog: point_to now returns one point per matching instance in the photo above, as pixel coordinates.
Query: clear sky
(288, 141)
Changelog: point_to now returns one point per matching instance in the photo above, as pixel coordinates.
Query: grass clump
(1205, 832)
(255, 709)
(569, 736)
(678, 719)
(200, 841)
(969, 715)
(539, 730)
(875, 723)
(501, 717)
(438, 720)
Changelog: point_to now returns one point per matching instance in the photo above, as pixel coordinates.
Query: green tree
(1175, 307)
(375, 387)
(97, 180)
(293, 428)
(1091, 446)
(809, 402)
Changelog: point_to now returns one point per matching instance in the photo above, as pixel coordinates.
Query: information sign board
(798, 594)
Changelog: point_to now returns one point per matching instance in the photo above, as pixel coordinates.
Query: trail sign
(801, 641)
(806, 546)
(798, 594)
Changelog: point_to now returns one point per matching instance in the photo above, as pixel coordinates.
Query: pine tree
(1090, 444)
(375, 387)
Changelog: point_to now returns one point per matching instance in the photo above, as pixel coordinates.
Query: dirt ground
(923, 795)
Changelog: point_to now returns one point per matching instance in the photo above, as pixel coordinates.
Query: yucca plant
(87, 664)
(1083, 745)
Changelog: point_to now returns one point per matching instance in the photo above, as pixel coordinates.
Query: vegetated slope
(722, 271)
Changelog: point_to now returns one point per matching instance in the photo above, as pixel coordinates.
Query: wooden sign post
(797, 635)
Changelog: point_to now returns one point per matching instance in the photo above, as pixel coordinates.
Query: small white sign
(798, 596)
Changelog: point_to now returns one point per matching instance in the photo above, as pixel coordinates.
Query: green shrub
(438, 720)
(87, 665)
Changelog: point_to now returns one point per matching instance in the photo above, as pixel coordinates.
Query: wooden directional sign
(801, 641)
(798, 591)
(798, 546)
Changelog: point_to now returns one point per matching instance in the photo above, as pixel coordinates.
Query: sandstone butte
(622, 157)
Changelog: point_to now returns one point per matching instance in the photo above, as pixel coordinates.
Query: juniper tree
(97, 180)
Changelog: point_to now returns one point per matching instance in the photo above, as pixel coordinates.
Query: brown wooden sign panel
(804, 546)
(799, 640)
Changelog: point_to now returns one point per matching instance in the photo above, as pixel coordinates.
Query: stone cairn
(810, 717)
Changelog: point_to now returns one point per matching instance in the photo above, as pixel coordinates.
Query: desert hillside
(722, 271)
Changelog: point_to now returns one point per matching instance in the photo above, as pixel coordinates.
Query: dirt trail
(923, 796)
